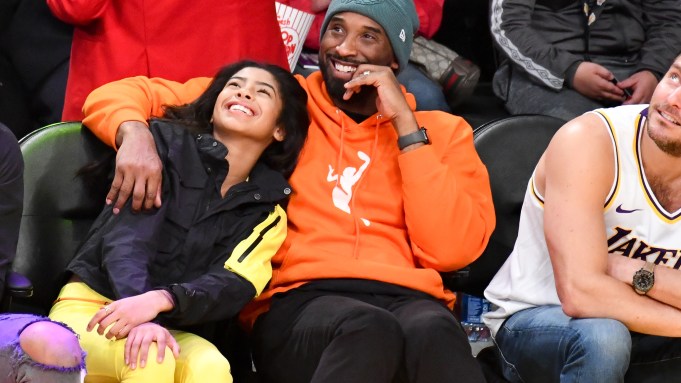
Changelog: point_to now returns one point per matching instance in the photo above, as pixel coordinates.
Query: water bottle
(471, 310)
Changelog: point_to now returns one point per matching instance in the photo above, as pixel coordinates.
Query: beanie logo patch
(403, 35)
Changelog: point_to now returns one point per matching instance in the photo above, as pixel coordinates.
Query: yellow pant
(199, 360)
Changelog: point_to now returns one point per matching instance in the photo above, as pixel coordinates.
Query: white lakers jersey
(637, 225)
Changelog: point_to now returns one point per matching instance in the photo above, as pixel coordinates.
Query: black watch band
(413, 138)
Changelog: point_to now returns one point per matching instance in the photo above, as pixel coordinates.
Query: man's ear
(279, 134)
(394, 65)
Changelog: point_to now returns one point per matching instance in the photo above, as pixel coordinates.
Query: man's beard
(336, 89)
(670, 147)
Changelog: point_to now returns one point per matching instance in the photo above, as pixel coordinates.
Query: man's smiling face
(664, 114)
(352, 39)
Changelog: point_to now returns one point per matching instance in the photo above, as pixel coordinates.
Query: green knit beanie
(398, 19)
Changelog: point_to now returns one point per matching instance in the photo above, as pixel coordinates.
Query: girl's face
(249, 106)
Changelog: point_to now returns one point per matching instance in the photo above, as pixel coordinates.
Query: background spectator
(172, 39)
(34, 60)
(561, 58)
(592, 290)
(11, 200)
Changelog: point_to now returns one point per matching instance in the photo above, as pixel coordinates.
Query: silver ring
(107, 310)
(366, 73)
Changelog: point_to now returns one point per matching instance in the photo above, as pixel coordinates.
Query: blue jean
(428, 93)
(542, 344)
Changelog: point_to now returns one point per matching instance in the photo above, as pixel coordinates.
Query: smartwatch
(413, 138)
(644, 279)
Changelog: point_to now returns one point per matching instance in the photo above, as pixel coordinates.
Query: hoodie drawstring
(372, 156)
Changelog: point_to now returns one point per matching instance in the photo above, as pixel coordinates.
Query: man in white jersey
(592, 289)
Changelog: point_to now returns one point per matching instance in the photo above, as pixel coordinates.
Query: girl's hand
(141, 337)
(123, 315)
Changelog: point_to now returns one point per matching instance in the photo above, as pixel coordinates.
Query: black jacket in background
(35, 48)
(11, 200)
(546, 38)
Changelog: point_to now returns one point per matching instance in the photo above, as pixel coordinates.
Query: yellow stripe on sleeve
(251, 257)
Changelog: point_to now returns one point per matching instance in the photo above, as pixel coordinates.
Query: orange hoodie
(360, 207)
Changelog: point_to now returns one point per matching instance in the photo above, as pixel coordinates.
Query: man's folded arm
(578, 177)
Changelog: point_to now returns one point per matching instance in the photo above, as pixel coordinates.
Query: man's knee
(430, 323)
(205, 366)
(543, 344)
(348, 321)
(336, 315)
(374, 322)
(606, 342)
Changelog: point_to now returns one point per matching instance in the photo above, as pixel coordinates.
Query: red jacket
(173, 39)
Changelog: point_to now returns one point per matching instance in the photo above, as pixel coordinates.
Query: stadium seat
(510, 148)
(58, 210)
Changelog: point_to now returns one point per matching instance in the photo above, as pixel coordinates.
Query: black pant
(354, 337)
(11, 199)
(654, 359)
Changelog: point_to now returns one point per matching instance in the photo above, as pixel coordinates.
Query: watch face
(643, 281)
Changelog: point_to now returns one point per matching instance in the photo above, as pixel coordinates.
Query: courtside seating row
(59, 209)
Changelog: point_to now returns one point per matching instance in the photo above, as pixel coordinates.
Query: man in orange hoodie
(385, 198)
